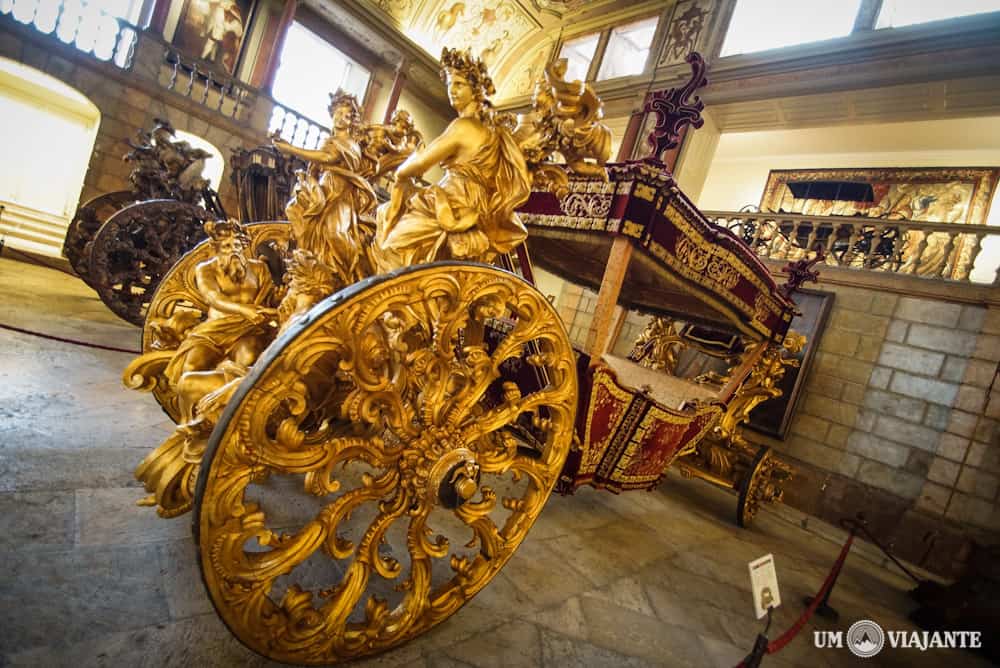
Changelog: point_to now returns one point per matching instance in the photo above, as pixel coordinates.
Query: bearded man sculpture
(235, 288)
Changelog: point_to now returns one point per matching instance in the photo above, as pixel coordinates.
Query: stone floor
(89, 579)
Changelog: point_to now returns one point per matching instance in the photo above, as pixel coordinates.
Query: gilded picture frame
(959, 195)
(215, 32)
(773, 417)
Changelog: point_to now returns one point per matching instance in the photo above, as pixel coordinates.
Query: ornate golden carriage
(366, 432)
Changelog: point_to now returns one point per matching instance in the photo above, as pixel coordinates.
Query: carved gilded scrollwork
(383, 416)
(657, 346)
(762, 483)
(726, 457)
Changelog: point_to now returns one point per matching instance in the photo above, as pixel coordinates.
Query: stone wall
(898, 418)
(897, 422)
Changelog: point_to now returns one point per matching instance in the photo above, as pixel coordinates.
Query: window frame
(865, 23)
(604, 36)
(320, 30)
(650, 56)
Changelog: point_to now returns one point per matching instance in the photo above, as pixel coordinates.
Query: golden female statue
(331, 197)
(469, 213)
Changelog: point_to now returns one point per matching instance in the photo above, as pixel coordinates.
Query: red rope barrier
(75, 342)
(779, 643)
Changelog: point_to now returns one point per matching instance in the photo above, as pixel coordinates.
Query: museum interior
(499, 332)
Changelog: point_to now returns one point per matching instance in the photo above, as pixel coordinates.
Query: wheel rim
(416, 407)
(133, 250)
(85, 224)
(749, 500)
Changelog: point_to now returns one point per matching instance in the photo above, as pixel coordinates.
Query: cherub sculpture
(388, 146)
(565, 118)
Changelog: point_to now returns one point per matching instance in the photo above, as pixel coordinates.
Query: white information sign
(764, 585)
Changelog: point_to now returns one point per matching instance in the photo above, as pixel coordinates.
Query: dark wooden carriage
(123, 243)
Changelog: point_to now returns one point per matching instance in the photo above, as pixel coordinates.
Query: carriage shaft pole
(607, 298)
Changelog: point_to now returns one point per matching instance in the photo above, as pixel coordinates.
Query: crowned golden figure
(469, 213)
(331, 196)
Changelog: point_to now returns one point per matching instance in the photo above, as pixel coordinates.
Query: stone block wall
(899, 419)
(575, 305)
(896, 422)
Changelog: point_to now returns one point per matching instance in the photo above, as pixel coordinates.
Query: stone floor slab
(111, 517)
(89, 579)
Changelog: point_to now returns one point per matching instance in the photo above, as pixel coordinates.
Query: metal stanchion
(753, 659)
(824, 609)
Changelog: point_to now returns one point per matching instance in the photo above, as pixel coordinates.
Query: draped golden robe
(325, 211)
(468, 214)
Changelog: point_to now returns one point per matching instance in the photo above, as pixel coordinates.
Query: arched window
(48, 135)
(214, 166)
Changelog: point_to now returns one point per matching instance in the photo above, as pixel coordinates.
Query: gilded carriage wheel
(136, 247)
(379, 466)
(85, 224)
(176, 306)
(761, 484)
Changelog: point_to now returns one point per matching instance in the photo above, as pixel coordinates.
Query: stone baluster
(947, 263)
(793, 239)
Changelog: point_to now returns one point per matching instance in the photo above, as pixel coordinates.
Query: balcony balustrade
(946, 251)
(146, 56)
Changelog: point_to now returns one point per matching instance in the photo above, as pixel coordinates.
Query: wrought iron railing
(950, 251)
(83, 24)
(201, 84)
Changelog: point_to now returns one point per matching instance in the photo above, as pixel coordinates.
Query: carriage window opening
(761, 25)
(295, 81)
(895, 13)
(628, 49)
(579, 53)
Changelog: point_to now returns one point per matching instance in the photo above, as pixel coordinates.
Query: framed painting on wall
(214, 31)
(959, 195)
(773, 417)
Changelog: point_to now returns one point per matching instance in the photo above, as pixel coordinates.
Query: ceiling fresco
(490, 28)
(513, 37)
